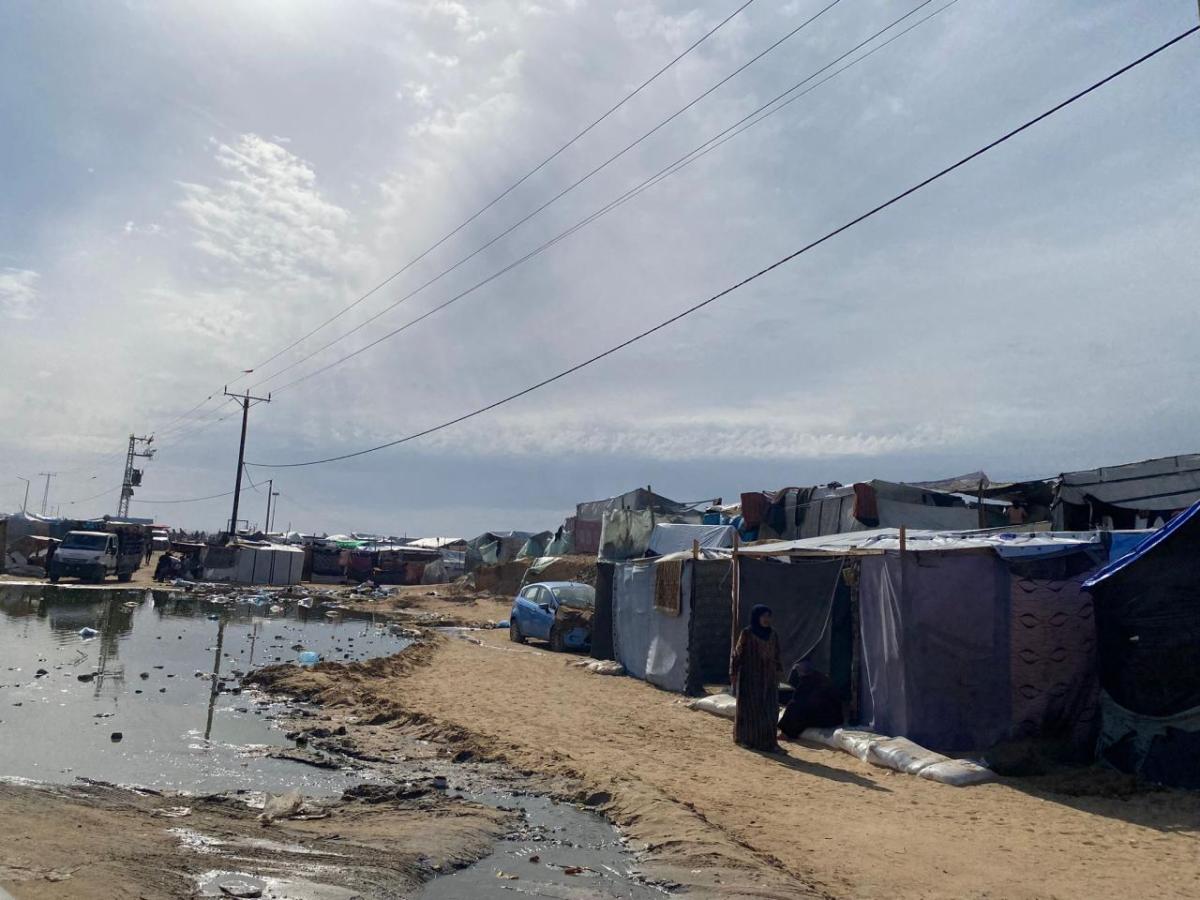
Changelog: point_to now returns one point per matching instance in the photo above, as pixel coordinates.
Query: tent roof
(1145, 547)
(1005, 543)
(1167, 483)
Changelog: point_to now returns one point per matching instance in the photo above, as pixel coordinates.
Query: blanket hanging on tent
(668, 581)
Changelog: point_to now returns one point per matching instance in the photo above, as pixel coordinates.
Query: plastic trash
(723, 705)
(903, 755)
(957, 772)
(308, 658)
(87, 633)
(281, 806)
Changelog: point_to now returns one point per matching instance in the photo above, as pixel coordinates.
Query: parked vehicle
(94, 555)
(559, 612)
(160, 539)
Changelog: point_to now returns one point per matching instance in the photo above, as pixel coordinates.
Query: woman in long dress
(754, 672)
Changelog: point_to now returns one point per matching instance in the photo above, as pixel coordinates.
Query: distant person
(815, 701)
(165, 567)
(754, 672)
(149, 552)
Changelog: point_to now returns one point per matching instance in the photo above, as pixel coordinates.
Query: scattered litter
(88, 633)
(507, 876)
(308, 658)
(282, 806)
(116, 737)
(173, 812)
(85, 676)
(599, 666)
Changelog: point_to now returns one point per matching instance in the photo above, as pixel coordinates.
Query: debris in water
(116, 737)
(87, 633)
(86, 676)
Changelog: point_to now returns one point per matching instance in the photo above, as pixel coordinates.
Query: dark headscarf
(758, 629)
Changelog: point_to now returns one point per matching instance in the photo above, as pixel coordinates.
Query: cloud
(18, 293)
(266, 219)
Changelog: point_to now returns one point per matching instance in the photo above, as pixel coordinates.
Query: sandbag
(957, 772)
(723, 705)
(903, 755)
(856, 743)
(826, 737)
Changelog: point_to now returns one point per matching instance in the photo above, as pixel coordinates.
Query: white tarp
(669, 537)
(650, 644)
(1007, 544)
(261, 564)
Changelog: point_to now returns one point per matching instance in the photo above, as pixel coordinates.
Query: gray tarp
(935, 647)
(650, 644)
(672, 537)
(1166, 484)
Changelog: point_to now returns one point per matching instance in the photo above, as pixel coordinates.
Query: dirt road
(816, 822)
(103, 843)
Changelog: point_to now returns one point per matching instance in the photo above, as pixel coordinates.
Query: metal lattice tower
(133, 477)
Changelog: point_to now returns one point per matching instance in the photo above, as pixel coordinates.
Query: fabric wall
(650, 645)
(935, 648)
(712, 622)
(602, 617)
(801, 596)
(1054, 688)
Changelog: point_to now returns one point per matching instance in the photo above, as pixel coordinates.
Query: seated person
(815, 701)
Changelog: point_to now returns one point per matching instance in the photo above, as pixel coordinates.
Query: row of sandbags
(896, 753)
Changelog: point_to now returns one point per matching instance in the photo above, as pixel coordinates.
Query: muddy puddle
(143, 687)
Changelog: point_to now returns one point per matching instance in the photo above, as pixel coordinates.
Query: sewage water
(163, 670)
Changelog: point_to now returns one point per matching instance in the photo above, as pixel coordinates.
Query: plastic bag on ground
(957, 772)
(903, 755)
(723, 705)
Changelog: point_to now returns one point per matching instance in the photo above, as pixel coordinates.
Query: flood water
(163, 670)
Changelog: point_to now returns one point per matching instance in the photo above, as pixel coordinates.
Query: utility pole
(274, 510)
(133, 477)
(25, 505)
(237, 485)
(267, 520)
(46, 492)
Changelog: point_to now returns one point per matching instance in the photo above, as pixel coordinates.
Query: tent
(256, 562)
(1148, 619)
(669, 619)
(588, 523)
(673, 537)
(837, 509)
(1133, 495)
(958, 641)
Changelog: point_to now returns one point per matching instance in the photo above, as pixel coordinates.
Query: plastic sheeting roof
(1006, 543)
(670, 537)
(1147, 546)
(1169, 483)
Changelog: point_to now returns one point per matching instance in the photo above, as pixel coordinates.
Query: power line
(594, 171)
(188, 499)
(93, 497)
(732, 131)
(512, 187)
(761, 272)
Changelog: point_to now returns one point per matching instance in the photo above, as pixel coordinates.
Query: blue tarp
(1145, 546)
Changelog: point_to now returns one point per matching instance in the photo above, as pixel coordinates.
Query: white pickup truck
(94, 555)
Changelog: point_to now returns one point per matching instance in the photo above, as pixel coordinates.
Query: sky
(191, 188)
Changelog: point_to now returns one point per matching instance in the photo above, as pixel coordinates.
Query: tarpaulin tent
(672, 537)
(651, 644)
(588, 522)
(1148, 618)
(254, 563)
(802, 594)
(1133, 495)
(965, 638)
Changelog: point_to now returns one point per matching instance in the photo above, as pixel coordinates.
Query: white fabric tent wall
(651, 645)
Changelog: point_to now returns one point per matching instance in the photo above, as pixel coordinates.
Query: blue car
(559, 612)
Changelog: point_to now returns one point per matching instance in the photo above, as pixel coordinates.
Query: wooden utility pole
(267, 520)
(246, 400)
